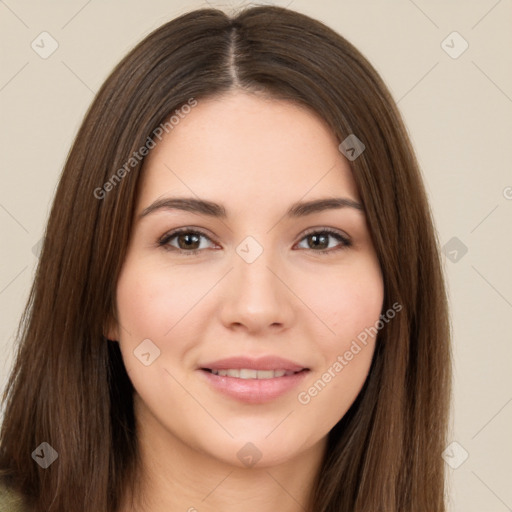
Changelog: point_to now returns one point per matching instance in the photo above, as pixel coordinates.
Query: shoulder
(11, 501)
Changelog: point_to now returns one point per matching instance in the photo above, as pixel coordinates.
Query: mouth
(253, 374)
(266, 380)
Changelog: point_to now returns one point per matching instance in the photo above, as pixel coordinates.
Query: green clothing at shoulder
(10, 501)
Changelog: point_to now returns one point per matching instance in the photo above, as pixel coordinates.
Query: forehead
(239, 148)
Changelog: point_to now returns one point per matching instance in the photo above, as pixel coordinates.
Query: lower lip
(254, 391)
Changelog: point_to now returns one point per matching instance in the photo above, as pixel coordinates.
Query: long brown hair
(69, 387)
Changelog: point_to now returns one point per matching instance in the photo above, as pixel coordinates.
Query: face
(266, 276)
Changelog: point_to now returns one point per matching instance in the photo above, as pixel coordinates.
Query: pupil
(322, 239)
(189, 239)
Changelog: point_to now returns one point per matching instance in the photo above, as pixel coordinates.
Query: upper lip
(260, 363)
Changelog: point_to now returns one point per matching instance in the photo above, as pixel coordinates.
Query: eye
(187, 241)
(318, 241)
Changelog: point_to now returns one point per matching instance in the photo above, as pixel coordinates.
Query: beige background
(458, 111)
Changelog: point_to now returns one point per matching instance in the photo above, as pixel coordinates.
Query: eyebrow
(204, 207)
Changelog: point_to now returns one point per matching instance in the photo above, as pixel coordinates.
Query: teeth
(248, 374)
(245, 373)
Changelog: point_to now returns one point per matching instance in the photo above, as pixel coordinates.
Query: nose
(256, 297)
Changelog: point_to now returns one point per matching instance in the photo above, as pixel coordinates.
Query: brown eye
(185, 241)
(320, 241)
(188, 241)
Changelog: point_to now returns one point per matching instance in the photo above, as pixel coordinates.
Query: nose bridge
(253, 262)
(256, 297)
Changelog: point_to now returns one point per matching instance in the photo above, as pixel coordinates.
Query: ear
(111, 330)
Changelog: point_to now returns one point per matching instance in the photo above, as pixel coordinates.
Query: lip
(261, 363)
(254, 391)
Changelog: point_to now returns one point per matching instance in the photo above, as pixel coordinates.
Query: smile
(247, 373)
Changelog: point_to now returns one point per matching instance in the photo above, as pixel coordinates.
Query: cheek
(347, 300)
(150, 306)
(164, 305)
(351, 308)
(151, 301)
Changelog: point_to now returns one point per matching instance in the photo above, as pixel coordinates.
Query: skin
(256, 157)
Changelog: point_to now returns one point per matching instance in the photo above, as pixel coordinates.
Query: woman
(240, 296)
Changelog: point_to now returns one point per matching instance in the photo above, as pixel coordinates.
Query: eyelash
(164, 241)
